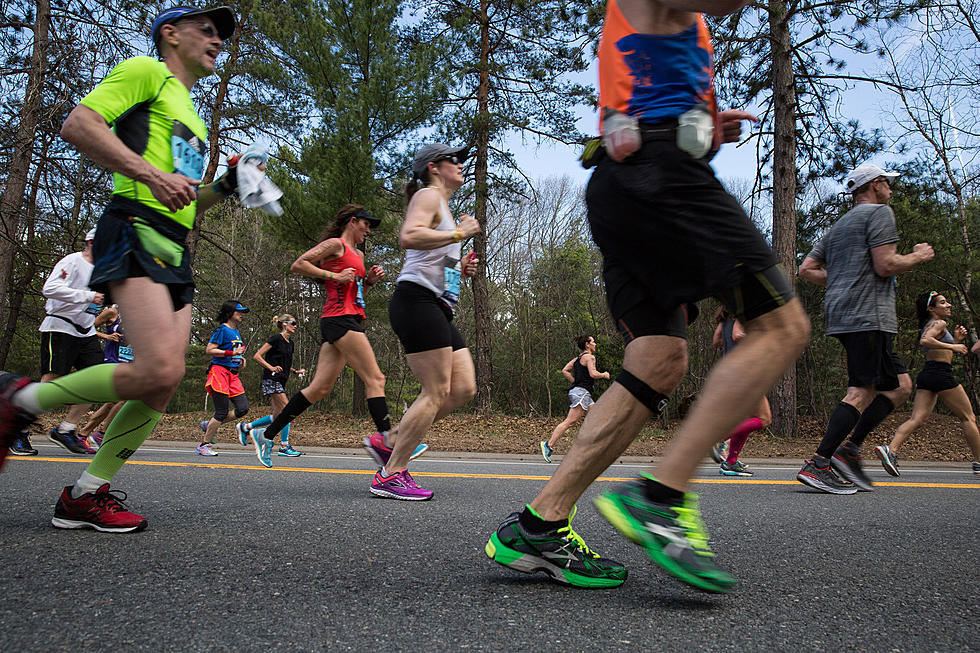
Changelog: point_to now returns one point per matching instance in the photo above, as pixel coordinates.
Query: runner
(226, 349)
(276, 358)
(669, 234)
(727, 334)
(857, 261)
(421, 310)
(581, 372)
(936, 380)
(340, 265)
(116, 351)
(157, 153)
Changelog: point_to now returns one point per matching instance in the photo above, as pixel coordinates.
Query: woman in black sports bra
(936, 380)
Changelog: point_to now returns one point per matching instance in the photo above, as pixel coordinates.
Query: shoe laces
(569, 534)
(689, 517)
(111, 500)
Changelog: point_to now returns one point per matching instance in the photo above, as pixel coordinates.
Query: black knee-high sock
(378, 408)
(293, 409)
(842, 420)
(879, 408)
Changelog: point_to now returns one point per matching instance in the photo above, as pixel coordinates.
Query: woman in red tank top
(338, 263)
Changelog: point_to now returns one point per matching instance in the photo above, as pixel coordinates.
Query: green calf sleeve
(131, 426)
(93, 385)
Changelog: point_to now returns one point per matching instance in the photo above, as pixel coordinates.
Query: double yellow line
(518, 477)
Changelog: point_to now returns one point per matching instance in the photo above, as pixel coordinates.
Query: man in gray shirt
(857, 261)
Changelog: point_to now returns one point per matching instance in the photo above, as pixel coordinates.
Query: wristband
(327, 275)
(229, 352)
(458, 235)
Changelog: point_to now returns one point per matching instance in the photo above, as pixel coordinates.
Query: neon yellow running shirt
(151, 111)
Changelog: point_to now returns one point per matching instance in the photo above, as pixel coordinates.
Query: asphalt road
(303, 557)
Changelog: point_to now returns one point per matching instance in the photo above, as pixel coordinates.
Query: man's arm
(88, 131)
(888, 262)
(813, 271)
(56, 286)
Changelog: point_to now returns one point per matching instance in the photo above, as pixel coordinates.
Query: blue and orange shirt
(654, 77)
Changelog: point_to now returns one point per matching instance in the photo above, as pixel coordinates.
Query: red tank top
(344, 298)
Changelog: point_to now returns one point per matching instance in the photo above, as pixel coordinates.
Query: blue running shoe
(289, 451)
(546, 451)
(204, 425)
(263, 447)
(242, 430)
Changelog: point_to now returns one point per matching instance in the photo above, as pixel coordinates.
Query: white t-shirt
(68, 295)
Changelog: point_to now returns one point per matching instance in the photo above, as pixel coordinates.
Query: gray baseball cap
(433, 151)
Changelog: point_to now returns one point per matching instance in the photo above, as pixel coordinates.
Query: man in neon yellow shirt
(139, 123)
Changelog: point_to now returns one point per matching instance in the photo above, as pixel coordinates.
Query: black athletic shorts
(421, 320)
(871, 359)
(936, 376)
(671, 234)
(119, 254)
(334, 328)
(61, 352)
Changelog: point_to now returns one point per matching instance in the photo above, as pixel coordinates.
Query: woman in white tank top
(421, 309)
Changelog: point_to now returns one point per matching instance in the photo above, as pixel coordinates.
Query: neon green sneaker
(561, 553)
(673, 536)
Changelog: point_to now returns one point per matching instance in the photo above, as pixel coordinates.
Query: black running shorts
(871, 359)
(334, 328)
(60, 352)
(421, 320)
(670, 234)
(936, 376)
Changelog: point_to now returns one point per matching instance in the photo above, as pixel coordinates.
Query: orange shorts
(223, 381)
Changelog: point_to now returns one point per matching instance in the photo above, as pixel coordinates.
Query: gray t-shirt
(857, 298)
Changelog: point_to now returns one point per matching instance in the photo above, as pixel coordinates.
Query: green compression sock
(93, 385)
(127, 432)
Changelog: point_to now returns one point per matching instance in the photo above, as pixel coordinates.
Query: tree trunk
(481, 295)
(11, 202)
(784, 191)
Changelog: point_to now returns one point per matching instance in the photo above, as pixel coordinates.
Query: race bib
(450, 281)
(187, 150)
(359, 300)
(125, 354)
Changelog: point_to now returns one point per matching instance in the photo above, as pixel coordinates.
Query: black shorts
(119, 254)
(334, 328)
(61, 352)
(421, 320)
(671, 234)
(871, 359)
(936, 376)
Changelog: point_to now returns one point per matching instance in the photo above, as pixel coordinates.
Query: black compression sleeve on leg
(291, 411)
(378, 408)
(241, 405)
(879, 408)
(842, 420)
(646, 395)
(220, 406)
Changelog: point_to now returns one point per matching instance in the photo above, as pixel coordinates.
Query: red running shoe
(102, 510)
(13, 419)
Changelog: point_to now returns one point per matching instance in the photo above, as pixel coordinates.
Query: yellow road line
(518, 477)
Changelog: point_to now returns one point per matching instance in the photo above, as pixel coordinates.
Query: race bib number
(126, 354)
(187, 150)
(451, 276)
(359, 300)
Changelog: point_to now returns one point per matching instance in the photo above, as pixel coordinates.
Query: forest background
(345, 92)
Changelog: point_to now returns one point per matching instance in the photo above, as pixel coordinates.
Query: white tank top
(436, 269)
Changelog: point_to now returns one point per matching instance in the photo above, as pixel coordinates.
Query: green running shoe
(561, 553)
(673, 536)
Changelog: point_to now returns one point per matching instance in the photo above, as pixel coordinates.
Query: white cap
(863, 174)
(90, 234)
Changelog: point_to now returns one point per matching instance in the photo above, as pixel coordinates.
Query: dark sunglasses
(289, 322)
(206, 28)
(451, 158)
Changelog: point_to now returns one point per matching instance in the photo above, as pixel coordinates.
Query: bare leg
(96, 419)
(434, 371)
(924, 402)
(957, 401)
(575, 413)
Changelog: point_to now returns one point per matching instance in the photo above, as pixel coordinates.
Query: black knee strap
(646, 395)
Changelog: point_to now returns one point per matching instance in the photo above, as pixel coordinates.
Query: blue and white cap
(222, 17)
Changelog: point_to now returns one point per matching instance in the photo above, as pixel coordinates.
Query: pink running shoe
(399, 485)
(84, 443)
(375, 445)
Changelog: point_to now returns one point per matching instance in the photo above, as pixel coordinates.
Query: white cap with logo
(863, 174)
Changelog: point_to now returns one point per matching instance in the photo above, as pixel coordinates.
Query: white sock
(26, 398)
(86, 483)
(384, 438)
(66, 427)
(384, 471)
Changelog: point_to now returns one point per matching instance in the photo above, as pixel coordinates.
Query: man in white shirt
(68, 336)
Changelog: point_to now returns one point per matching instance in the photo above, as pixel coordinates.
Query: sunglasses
(289, 322)
(452, 159)
(205, 28)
